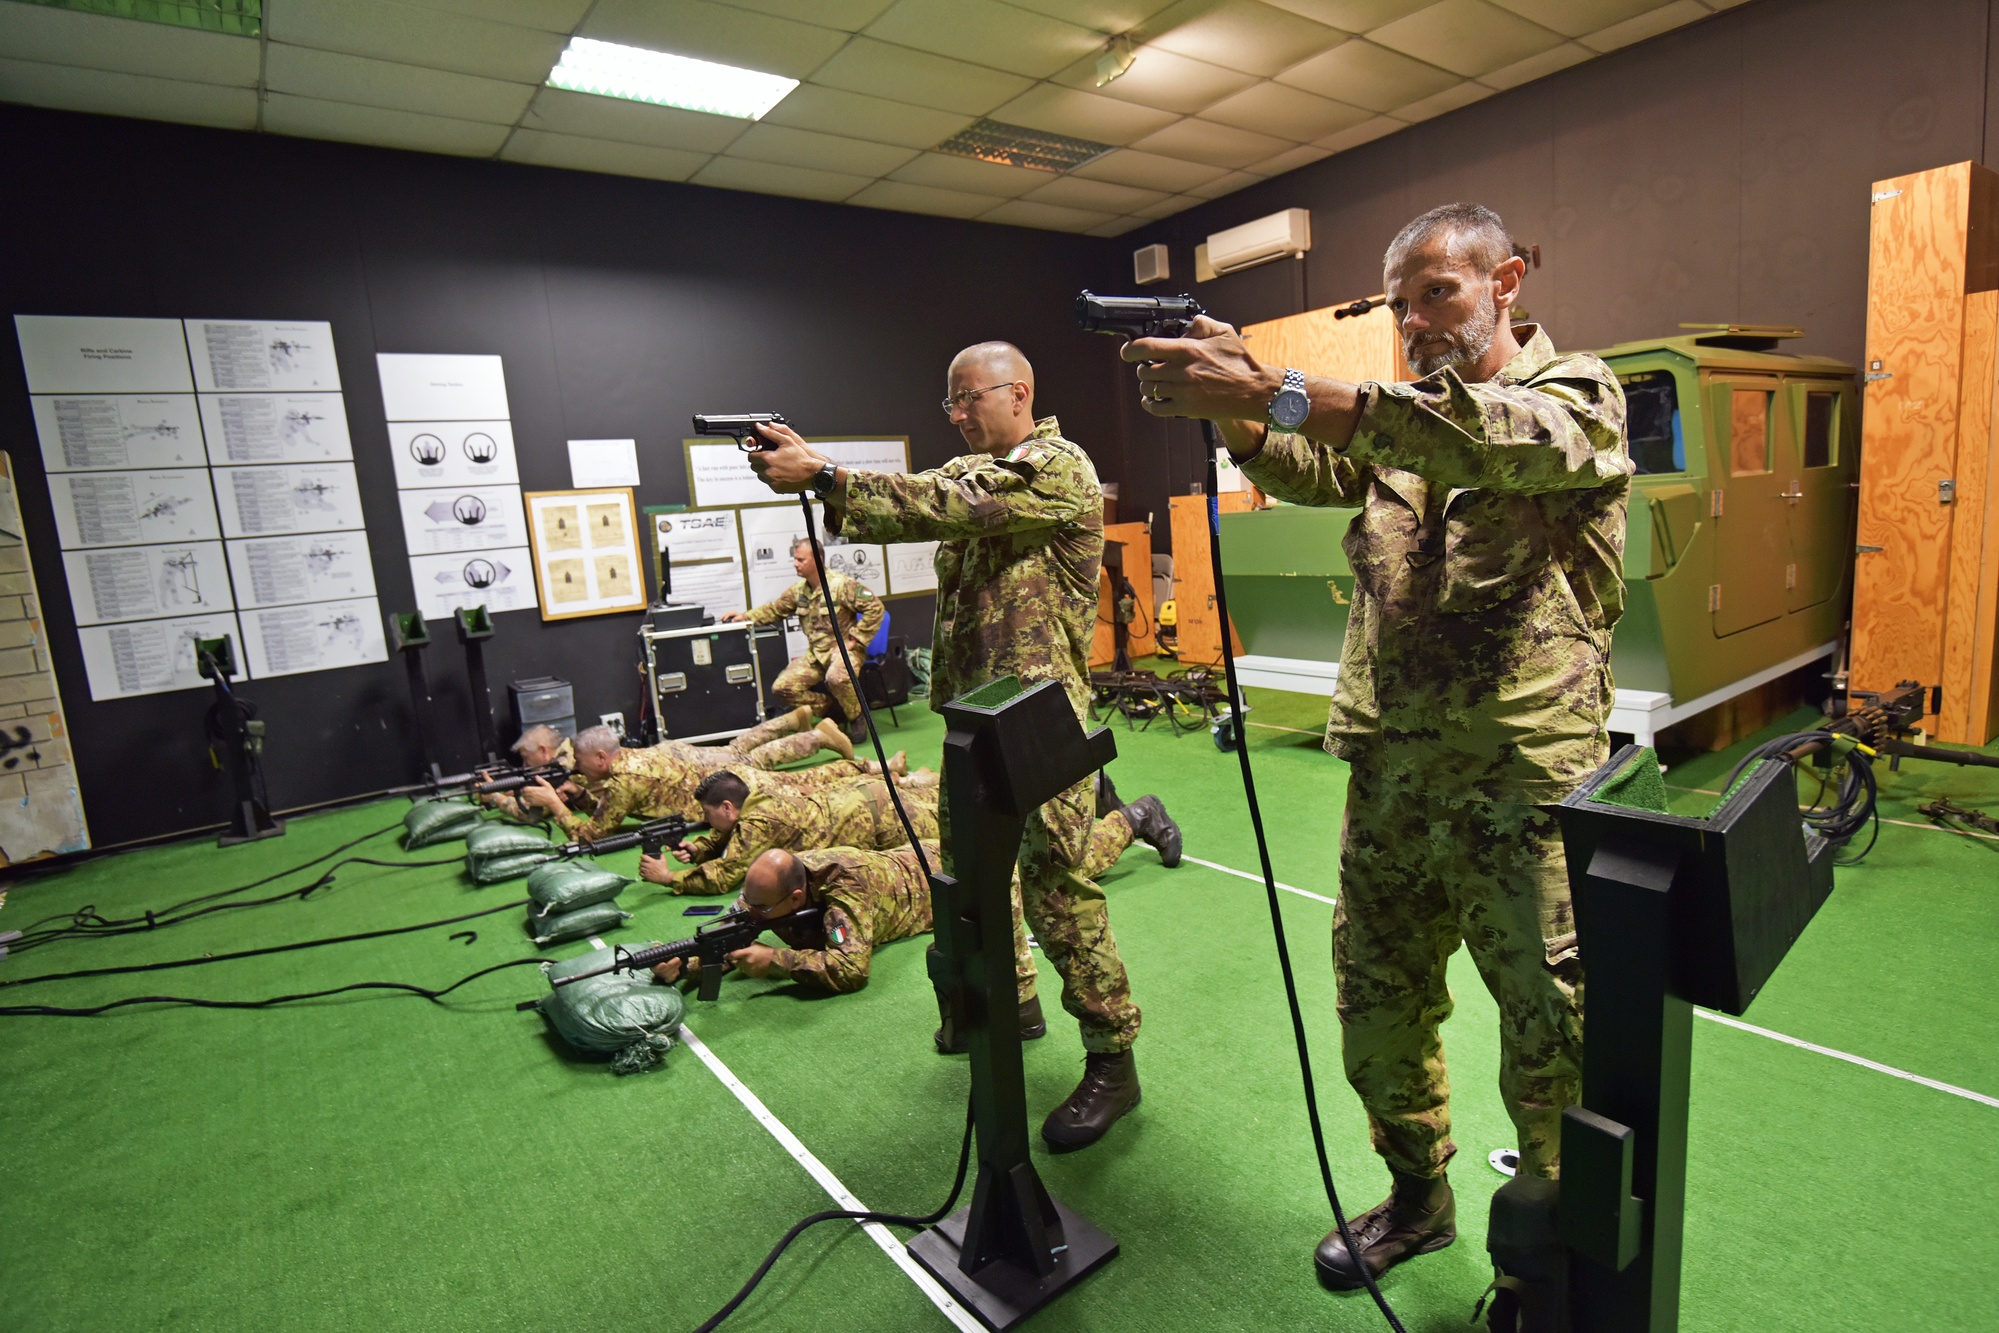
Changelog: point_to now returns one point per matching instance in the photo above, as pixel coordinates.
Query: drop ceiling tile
(593, 117)
(1365, 132)
(986, 32)
(1573, 18)
(1216, 145)
(108, 93)
(542, 149)
(882, 70)
(857, 116)
(1166, 208)
(1467, 37)
(1286, 113)
(312, 118)
(1082, 115)
(822, 152)
(1160, 79)
(1117, 227)
(334, 77)
(1099, 196)
(1240, 34)
(1148, 171)
(907, 198)
(1351, 15)
(716, 32)
(846, 15)
(731, 173)
(94, 41)
(970, 176)
(1438, 103)
(1101, 16)
(1638, 29)
(1047, 217)
(1229, 184)
(1290, 160)
(1366, 75)
(549, 15)
(413, 36)
(1536, 67)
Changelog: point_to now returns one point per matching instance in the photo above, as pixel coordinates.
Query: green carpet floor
(381, 1162)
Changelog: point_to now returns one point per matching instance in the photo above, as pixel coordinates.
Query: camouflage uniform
(1021, 543)
(857, 813)
(770, 743)
(647, 784)
(1474, 684)
(860, 613)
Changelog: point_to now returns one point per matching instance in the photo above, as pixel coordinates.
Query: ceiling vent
(1018, 146)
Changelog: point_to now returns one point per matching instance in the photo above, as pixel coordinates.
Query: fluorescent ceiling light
(636, 74)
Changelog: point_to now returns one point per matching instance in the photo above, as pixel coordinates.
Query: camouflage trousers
(776, 741)
(1109, 837)
(817, 685)
(1419, 875)
(1069, 916)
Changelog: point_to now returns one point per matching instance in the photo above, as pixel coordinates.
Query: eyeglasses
(963, 398)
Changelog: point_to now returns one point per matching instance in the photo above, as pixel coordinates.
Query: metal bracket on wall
(1880, 196)
(1946, 491)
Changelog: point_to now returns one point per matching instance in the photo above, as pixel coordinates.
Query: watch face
(1289, 409)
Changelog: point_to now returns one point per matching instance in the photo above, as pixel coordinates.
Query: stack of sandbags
(631, 1019)
(573, 899)
(495, 852)
(431, 822)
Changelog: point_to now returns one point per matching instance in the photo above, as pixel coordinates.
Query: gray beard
(1463, 348)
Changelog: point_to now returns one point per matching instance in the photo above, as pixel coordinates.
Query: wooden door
(1821, 502)
(1199, 626)
(1137, 542)
(1752, 531)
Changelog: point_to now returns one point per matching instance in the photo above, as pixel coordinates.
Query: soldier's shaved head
(772, 878)
(989, 396)
(995, 363)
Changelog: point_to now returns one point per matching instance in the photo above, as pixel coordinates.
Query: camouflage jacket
(856, 813)
(867, 899)
(648, 784)
(1021, 541)
(1488, 572)
(853, 601)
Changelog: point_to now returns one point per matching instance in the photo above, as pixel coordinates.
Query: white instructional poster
(298, 497)
(463, 518)
(497, 580)
(146, 582)
(719, 474)
(861, 563)
(96, 432)
(88, 354)
(912, 567)
(442, 388)
(274, 428)
(716, 586)
(704, 535)
(152, 656)
(133, 508)
(282, 571)
(453, 453)
(319, 636)
(598, 463)
(768, 536)
(262, 355)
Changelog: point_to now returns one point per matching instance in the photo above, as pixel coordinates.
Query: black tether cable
(434, 996)
(1236, 710)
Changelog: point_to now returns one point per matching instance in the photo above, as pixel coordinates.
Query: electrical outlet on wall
(615, 721)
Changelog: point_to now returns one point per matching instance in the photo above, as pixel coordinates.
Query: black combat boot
(1109, 1089)
(1418, 1216)
(1149, 820)
(1107, 800)
(950, 1041)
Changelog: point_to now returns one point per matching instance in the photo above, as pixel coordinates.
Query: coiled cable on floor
(1854, 802)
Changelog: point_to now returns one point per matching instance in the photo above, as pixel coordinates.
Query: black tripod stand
(239, 739)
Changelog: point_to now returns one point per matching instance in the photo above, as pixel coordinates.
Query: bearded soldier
(1474, 684)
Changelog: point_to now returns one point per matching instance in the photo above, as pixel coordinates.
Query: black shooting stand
(1013, 1248)
(475, 626)
(1671, 912)
(240, 740)
(409, 636)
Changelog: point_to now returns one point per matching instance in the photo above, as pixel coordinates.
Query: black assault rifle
(513, 777)
(742, 425)
(652, 837)
(710, 946)
(1137, 316)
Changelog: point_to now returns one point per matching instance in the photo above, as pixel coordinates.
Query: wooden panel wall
(1362, 348)
(1964, 706)
(1199, 628)
(1138, 568)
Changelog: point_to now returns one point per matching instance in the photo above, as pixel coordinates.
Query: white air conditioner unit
(1149, 264)
(1284, 235)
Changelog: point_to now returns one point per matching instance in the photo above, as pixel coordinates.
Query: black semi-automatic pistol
(1137, 316)
(742, 425)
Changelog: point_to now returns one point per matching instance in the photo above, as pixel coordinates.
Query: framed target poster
(586, 546)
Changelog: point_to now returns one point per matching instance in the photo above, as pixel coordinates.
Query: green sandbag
(557, 927)
(631, 1019)
(494, 869)
(432, 822)
(502, 840)
(563, 886)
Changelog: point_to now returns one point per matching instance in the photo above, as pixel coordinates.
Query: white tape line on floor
(1258, 879)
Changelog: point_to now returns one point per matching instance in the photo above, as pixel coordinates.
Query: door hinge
(1881, 196)
(1868, 550)
(1714, 597)
(1790, 576)
(1714, 498)
(1946, 491)
(1873, 375)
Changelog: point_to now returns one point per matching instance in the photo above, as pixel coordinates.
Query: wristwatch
(825, 481)
(1288, 410)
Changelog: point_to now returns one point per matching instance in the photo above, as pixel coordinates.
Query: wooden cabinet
(1926, 582)
(1137, 542)
(1199, 627)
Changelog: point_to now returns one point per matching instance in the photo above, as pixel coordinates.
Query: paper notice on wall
(719, 474)
(283, 571)
(463, 518)
(703, 535)
(274, 427)
(319, 636)
(442, 388)
(912, 567)
(864, 564)
(97, 432)
(453, 453)
(716, 586)
(300, 497)
(262, 355)
(598, 463)
(86, 354)
(146, 582)
(768, 536)
(500, 580)
(133, 508)
(150, 657)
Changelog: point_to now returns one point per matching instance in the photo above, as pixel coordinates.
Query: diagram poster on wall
(719, 475)
(587, 560)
